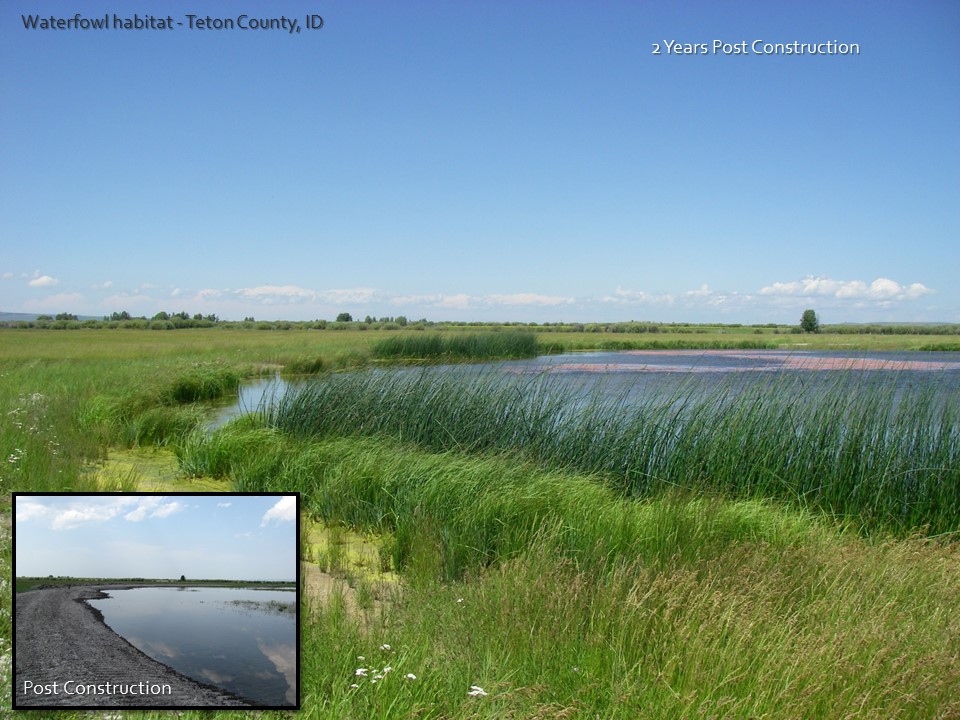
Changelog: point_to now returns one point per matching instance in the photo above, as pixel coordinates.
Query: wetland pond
(636, 373)
(240, 639)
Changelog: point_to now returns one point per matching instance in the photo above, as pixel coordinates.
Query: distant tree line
(345, 321)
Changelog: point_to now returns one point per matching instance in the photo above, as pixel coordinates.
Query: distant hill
(30, 317)
(14, 317)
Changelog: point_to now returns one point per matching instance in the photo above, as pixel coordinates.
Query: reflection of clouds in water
(626, 367)
(730, 361)
(153, 648)
(809, 361)
(215, 677)
(284, 659)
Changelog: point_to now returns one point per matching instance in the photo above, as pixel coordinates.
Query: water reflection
(242, 640)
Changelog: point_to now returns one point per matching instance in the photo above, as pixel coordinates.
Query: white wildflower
(410, 676)
(477, 691)
(385, 646)
(360, 672)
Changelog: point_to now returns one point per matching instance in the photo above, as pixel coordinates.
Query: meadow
(682, 561)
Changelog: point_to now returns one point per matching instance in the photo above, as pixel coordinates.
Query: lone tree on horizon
(809, 322)
(183, 578)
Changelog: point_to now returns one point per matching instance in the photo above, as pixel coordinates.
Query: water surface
(240, 639)
(634, 373)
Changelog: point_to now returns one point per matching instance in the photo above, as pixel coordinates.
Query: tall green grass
(41, 448)
(160, 412)
(476, 511)
(473, 346)
(758, 633)
(881, 455)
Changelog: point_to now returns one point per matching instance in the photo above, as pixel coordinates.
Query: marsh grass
(880, 454)
(455, 513)
(158, 413)
(472, 346)
(686, 344)
(305, 365)
(202, 384)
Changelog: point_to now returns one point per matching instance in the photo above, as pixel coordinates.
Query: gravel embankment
(60, 640)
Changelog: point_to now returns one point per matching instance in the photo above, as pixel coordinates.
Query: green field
(527, 566)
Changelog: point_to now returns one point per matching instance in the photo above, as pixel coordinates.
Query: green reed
(875, 453)
(471, 511)
(684, 344)
(472, 346)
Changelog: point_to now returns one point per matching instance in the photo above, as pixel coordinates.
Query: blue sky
(501, 160)
(228, 537)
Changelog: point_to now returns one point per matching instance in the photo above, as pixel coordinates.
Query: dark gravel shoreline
(60, 638)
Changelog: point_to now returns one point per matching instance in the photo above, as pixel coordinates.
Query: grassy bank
(477, 511)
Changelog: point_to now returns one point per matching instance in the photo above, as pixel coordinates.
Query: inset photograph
(156, 601)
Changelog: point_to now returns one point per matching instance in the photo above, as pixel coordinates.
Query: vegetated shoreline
(857, 448)
(60, 638)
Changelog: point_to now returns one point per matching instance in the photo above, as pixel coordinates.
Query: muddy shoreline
(62, 641)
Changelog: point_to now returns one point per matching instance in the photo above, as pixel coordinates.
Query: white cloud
(880, 290)
(463, 301)
(404, 300)
(27, 510)
(852, 294)
(224, 504)
(639, 297)
(154, 507)
(6, 276)
(704, 291)
(61, 302)
(91, 510)
(103, 286)
(137, 515)
(273, 293)
(43, 281)
(353, 295)
(526, 299)
(168, 509)
(133, 508)
(460, 301)
(285, 510)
